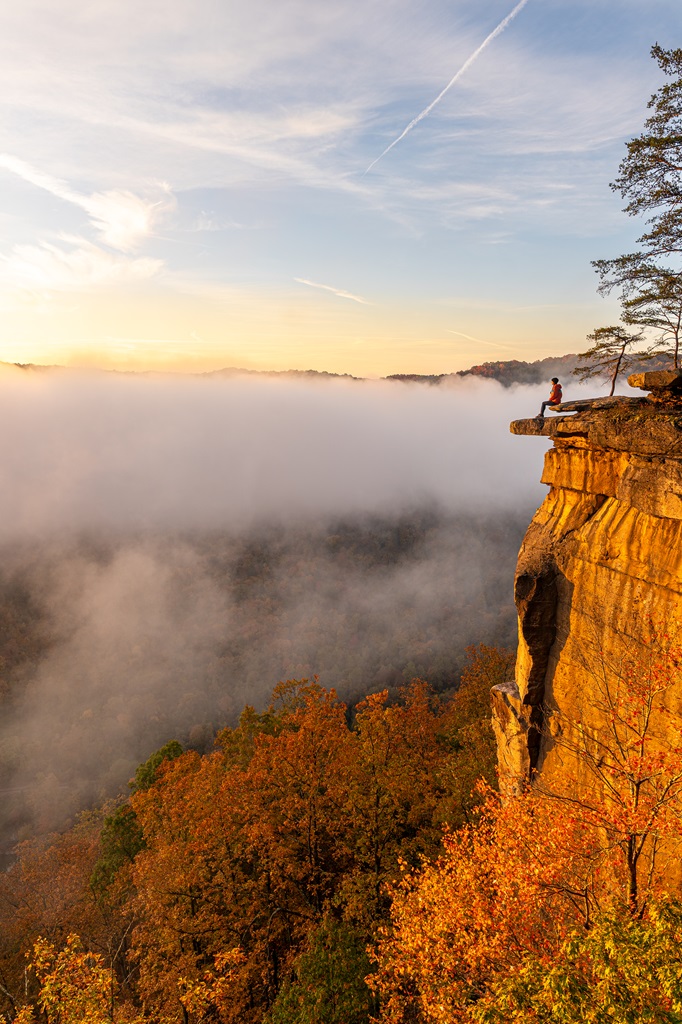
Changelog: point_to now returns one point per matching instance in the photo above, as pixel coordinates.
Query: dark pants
(544, 406)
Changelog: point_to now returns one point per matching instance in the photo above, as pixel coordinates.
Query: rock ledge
(601, 562)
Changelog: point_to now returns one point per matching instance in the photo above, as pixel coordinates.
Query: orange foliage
(203, 892)
(516, 882)
(75, 987)
(541, 869)
(626, 741)
(296, 815)
(46, 892)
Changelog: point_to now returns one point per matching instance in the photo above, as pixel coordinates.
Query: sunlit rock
(599, 571)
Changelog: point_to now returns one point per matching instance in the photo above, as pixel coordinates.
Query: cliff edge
(599, 568)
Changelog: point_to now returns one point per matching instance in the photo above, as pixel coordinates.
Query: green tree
(649, 176)
(329, 985)
(610, 355)
(121, 837)
(656, 304)
(621, 971)
(650, 179)
(121, 840)
(146, 773)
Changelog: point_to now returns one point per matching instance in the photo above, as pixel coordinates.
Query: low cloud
(172, 547)
(131, 452)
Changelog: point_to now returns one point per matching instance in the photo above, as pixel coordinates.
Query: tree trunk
(617, 369)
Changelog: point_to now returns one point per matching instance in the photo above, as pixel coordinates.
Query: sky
(363, 186)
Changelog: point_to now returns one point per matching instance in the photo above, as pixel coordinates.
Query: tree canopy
(248, 884)
(610, 355)
(649, 279)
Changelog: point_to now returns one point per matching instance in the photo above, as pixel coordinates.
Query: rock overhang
(649, 425)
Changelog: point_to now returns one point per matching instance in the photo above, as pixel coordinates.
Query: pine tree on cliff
(610, 355)
(656, 304)
(650, 179)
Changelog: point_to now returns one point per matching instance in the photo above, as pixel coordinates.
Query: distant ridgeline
(512, 371)
(517, 371)
(507, 372)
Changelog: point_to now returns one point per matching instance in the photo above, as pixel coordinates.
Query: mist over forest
(173, 547)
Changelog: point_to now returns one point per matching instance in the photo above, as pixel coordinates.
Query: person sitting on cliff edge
(555, 398)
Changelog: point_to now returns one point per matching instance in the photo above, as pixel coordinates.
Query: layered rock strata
(600, 566)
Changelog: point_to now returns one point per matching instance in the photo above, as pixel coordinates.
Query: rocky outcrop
(601, 562)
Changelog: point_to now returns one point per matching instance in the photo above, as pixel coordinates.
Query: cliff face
(599, 569)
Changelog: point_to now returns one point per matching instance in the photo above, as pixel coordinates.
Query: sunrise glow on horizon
(358, 188)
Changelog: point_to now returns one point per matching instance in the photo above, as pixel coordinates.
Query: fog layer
(131, 452)
(172, 548)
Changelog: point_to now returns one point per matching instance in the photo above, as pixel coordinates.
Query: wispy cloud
(190, 107)
(455, 78)
(208, 222)
(121, 219)
(262, 113)
(49, 267)
(339, 292)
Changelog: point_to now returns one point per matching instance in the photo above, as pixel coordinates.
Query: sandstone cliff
(600, 566)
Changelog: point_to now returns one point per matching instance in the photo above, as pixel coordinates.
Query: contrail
(465, 66)
(335, 291)
(469, 337)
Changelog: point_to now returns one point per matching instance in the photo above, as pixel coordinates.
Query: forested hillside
(295, 875)
(249, 883)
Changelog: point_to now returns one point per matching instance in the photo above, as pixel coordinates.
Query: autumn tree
(624, 745)
(279, 845)
(178, 901)
(242, 851)
(46, 892)
(466, 727)
(587, 848)
(74, 987)
(393, 793)
(247, 885)
(75, 883)
(516, 881)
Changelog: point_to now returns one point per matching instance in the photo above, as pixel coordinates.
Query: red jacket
(555, 394)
